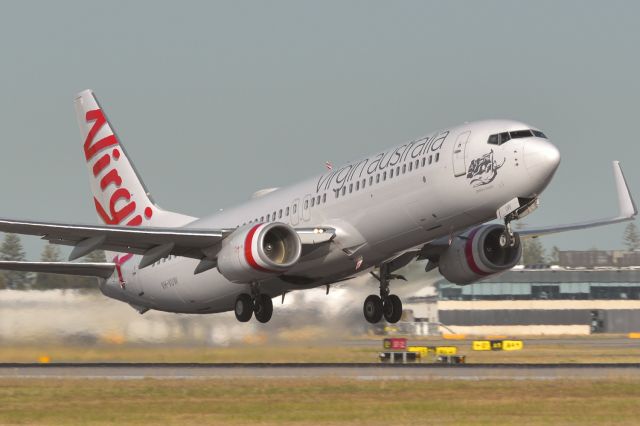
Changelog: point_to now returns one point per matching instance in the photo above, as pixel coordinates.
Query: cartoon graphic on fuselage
(427, 199)
(483, 170)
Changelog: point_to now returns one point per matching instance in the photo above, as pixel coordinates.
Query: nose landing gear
(507, 238)
(514, 210)
(386, 305)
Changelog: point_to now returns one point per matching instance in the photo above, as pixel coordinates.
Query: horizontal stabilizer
(100, 270)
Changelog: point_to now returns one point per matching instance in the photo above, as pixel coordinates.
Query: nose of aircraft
(541, 158)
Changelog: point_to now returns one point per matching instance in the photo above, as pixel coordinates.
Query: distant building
(550, 283)
(598, 258)
(548, 299)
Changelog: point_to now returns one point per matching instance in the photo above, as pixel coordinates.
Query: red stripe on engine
(468, 253)
(248, 254)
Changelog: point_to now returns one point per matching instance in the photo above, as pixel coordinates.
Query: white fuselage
(380, 206)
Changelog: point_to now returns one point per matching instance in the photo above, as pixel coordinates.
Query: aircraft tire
(243, 308)
(263, 308)
(392, 309)
(372, 308)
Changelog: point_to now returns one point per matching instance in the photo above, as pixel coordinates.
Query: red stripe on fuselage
(248, 254)
(468, 253)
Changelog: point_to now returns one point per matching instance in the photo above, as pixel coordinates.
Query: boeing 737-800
(428, 199)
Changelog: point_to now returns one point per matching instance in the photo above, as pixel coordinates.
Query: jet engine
(257, 251)
(481, 252)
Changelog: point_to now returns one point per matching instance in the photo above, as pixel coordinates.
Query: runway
(300, 371)
(602, 341)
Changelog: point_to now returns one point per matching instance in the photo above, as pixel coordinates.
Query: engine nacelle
(478, 254)
(255, 252)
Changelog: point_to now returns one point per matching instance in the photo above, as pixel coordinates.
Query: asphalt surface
(352, 371)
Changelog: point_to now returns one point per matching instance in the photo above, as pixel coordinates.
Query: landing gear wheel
(372, 309)
(243, 308)
(263, 308)
(392, 309)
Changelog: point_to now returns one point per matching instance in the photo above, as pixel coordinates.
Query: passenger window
(306, 204)
(391, 174)
(411, 166)
(261, 218)
(357, 185)
(493, 140)
(337, 191)
(363, 183)
(324, 198)
(280, 214)
(268, 217)
(384, 176)
(398, 171)
(350, 188)
(344, 190)
(286, 211)
(430, 159)
(318, 200)
(370, 180)
(423, 161)
(404, 168)
(417, 163)
(313, 201)
(437, 157)
(295, 208)
(378, 178)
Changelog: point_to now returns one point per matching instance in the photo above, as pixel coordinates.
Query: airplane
(431, 198)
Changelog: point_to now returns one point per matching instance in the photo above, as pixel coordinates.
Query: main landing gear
(387, 305)
(257, 304)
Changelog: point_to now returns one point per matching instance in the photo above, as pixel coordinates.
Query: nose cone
(541, 158)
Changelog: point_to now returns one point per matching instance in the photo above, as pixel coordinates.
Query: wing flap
(100, 270)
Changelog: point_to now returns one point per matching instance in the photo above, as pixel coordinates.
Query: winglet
(626, 204)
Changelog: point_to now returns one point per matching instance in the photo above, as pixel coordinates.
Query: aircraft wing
(100, 270)
(153, 243)
(139, 240)
(627, 210)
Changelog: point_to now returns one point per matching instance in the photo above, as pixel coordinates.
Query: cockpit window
(521, 134)
(539, 134)
(500, 138)
(503, 137)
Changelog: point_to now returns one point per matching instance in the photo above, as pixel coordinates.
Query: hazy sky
(214, 100)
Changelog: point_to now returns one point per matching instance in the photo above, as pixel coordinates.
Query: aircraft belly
(173, 287)
(316, 267)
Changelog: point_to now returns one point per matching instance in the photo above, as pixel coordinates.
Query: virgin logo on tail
(114, 215)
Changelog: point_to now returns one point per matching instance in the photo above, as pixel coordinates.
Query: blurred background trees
(11, 250)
